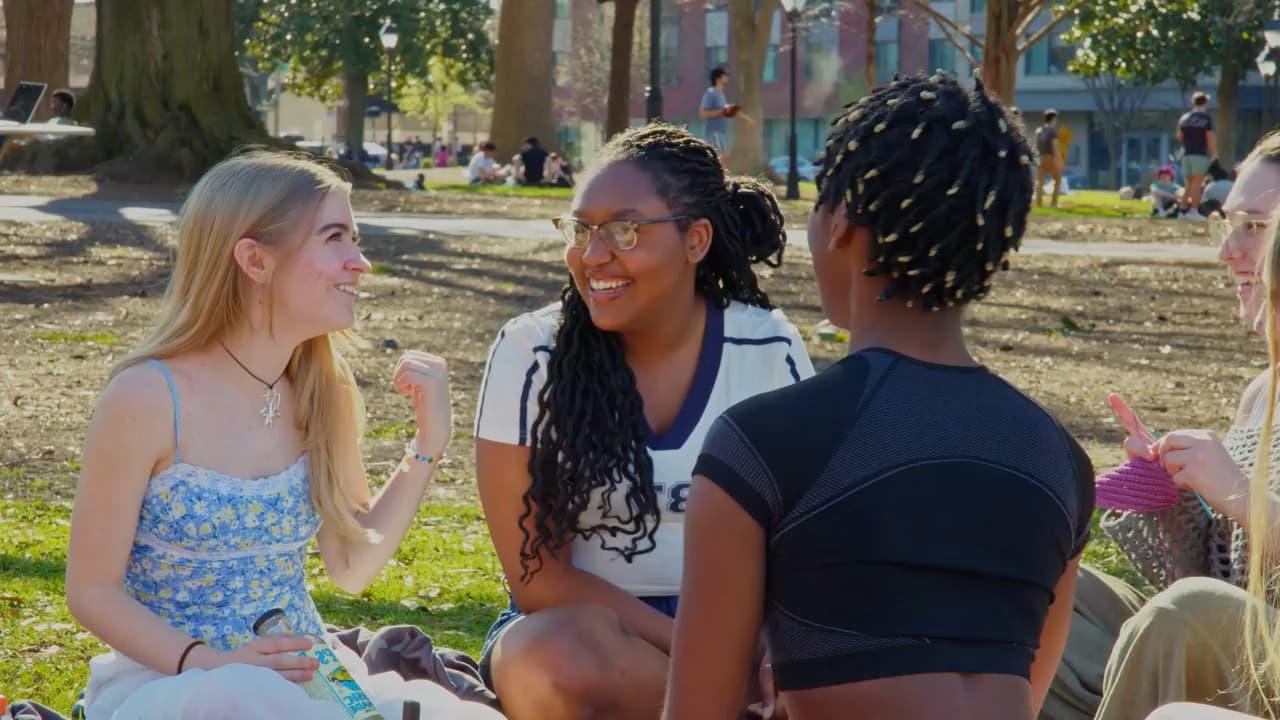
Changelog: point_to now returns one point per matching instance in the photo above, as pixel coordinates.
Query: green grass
(502, 190)
(381, 269)
(77, 338)
(389, 431)
(444, 579)
(1094, 204)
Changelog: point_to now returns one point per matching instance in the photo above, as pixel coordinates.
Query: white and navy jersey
(746, 350)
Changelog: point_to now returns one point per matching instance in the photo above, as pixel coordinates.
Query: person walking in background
(1195, 132)
(716, 110)
(1051, 160)
(442, 154)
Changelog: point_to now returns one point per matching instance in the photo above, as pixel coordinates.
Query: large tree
(618, 116)
(522, 76)
(37, 41)
(1126, 47)
(1008, 36)
(1234, 36)
(750, 22)
(157, 118)
(1179, 40)
(332, 50)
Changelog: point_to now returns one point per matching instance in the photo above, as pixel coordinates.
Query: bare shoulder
(136, 402)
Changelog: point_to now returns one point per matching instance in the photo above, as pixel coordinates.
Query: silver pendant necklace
(271, 410)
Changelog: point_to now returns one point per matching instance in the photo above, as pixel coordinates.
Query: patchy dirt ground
(74, 297)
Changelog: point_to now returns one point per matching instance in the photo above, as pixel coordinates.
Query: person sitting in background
(420, 182)
(1217, 188)
(1165, 193)
(63, 102)
(534, 160)
(557, 172)
(482, 169)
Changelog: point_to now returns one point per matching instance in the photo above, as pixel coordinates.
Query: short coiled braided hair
(941, 176)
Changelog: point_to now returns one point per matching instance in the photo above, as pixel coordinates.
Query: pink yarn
(1137, 486)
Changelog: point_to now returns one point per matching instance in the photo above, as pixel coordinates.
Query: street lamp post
(389, 37)
(793, 8)
(653, 93)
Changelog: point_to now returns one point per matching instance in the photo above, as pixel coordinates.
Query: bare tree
(624, 23)
(1121, 102)
(1008, 36)
(750, 23)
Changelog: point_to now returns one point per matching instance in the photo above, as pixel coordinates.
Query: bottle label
(333, 682)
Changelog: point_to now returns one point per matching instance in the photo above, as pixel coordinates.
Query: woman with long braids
(905, 525)
(592, 411)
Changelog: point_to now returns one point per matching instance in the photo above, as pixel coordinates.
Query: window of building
(669, 50)
(1049, 56)
(942, 55)
(886, 60)
(561, 44)
(771, 53)
(717, 37)
(821, 57)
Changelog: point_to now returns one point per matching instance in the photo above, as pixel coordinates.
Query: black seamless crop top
(918, 517)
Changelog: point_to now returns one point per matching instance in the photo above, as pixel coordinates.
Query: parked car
(781, 165)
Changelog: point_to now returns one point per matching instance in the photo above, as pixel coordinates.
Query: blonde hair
(262, 194)
(1261, 646)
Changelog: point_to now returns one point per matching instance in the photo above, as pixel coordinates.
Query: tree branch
(945, 22)
(1028, 10)
(1067, 11)
(963, 50)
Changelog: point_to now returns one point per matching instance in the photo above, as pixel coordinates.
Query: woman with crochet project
(1184, 645)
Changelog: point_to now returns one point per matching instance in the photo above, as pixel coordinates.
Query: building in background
(696, 38)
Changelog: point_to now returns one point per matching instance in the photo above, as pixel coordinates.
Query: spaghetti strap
(173, 394)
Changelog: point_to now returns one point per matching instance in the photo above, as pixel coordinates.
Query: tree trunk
(749, 29)
(1000, 50)
(37, 46)
(355, 90)
(873, 9)
(624, 23)
(522, 76)
(166, 96)
(1229, 79)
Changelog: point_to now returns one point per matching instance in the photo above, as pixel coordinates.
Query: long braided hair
(941, 176)
(588, 439)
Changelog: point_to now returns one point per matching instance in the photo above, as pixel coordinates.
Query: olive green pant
(1184, 645)
(1102, 606)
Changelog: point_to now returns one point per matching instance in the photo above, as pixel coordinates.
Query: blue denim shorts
(665, 604)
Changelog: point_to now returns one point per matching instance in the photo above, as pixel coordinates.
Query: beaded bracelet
(412, 450)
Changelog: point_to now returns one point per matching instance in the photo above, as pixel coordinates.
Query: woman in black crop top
(906, 525)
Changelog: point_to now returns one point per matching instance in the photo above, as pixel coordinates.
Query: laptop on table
(24, 101)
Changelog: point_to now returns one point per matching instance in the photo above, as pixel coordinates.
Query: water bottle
(332, 681)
